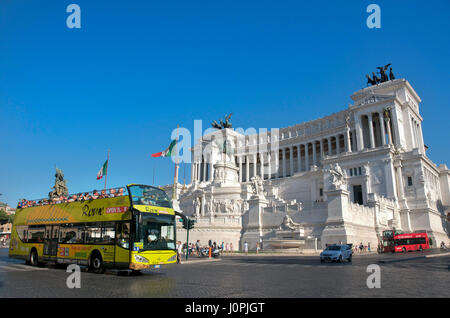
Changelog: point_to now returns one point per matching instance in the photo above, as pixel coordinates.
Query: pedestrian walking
(257, 247)
(226, 248)
(231, 248)
(179, 251)
(197, 247)
(246, 248)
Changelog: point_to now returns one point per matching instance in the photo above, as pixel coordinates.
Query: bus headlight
(140, 259)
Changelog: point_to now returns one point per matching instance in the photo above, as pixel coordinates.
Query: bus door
(122, 246)
(51, 241)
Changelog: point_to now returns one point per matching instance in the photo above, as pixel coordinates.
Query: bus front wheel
(96, 263)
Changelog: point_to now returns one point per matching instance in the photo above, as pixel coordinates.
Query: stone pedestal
(226, 174)
(336, 229)
(252, 221)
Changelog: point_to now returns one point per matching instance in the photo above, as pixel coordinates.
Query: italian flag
(103, 170)
(167, 152)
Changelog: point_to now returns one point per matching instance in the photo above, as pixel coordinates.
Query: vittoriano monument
(374, 80)
(222, 125)
(60, 187)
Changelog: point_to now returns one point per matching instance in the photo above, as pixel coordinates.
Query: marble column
(299, 159)
(413, 142)
(240, 168)
(211, 169)
(192, 171)
(383, 132)
(321, 150)
(348, 146)
(306, 157)
(255, 163)
(261, 160)
(359, 134)
(277, 164)
(389, 132)
(422, 145)
(314, 155)
(269, 167)
(400, 187)
(291, 160)
(247, 168)
(371, 134)
(329, 146)
(284, 162)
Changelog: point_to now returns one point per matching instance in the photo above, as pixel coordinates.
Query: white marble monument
(344, 177)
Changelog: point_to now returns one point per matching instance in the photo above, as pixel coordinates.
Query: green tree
(4, 217)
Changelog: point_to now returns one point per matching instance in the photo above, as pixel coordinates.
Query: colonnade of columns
(372, 129)
(293, 158)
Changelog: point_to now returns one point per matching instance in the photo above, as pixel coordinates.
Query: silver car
(337, 252)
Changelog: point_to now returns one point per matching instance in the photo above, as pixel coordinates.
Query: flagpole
(175, 179)
(107, 164)
(153, 175)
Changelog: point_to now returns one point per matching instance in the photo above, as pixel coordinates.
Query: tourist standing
(231, 248)
(179, 251)
(246, 248)
(197, 247)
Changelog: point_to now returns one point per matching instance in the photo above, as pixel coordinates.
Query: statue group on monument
(374, 80)
(337, 177)
(289, 224)
(222, 124)
(218, 206)
(257, 185)
(60, 187)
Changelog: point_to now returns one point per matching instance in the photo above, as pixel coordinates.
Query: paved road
(240, 276)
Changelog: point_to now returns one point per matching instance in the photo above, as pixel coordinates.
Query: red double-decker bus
(397, 241)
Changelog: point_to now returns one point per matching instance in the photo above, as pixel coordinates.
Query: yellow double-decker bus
(135, 231)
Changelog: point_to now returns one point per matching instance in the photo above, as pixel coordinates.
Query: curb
(413, 258)
(184, 262)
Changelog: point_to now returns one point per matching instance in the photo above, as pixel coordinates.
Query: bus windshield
(156, 232)
(147, 195)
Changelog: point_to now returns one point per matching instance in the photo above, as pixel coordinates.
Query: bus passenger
(95, 194)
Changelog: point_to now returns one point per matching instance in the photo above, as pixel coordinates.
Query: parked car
(337, 252)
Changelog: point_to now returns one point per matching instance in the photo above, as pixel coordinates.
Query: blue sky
(136, 69)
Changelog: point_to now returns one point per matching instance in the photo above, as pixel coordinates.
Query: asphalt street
(402, 275)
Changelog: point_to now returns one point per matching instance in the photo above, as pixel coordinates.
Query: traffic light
(188, 223)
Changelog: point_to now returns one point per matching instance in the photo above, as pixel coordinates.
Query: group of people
(194, 249)
(361, 248)
(3, 241)
(110, 193)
